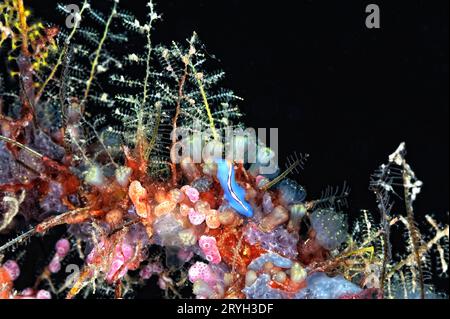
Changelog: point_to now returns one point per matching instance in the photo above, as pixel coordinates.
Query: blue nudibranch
(233, 193)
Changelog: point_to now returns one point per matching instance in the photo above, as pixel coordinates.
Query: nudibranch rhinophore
(233, 193)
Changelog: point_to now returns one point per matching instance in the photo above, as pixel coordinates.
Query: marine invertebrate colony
(112, 173)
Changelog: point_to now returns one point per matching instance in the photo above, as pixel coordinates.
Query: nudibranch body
(233, 193)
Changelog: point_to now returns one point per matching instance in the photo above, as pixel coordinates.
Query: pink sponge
(62, 247)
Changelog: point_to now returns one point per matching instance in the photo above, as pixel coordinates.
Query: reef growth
(101, 168)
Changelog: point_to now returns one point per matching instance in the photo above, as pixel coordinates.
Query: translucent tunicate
(166, 229)
(262, 290)
(330, 227)
(94, 176)
(172, 257)
(279, 240)
(291, 192)
(298, 211)
(187, 237)
(298, 273)
(280, 277)
(265, 155)
(202, 289)
(250, 278)
(176, 195)
(277, 217)
(202, 184)
(123, 174)
(267, 203)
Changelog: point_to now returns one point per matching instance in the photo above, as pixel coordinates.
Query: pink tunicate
(118, 253)
(157, 268)
(146, 272)
(196, 218)
(62, 247)
(43, 294)
(127, 251)
(208, 245)
(94, 252)
(115, 266)
(202, 271)
(90, 257)
(149, 270)
(192, 193)
(55, 265)
(122, 255)
(12, 268)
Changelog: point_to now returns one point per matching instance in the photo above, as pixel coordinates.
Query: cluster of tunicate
(279, 240)
(261, 289)
(9, 272)
(123, 253)
(149, 270)
(330, 227)
(166, 229)
(62, 249)
(277, 260)
(207, 280)
(269, 268)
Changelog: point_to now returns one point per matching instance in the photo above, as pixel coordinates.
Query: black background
(343, 93)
